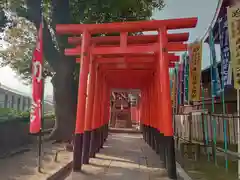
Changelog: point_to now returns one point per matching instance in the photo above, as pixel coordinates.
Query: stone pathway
(23, 166)
(125, 156)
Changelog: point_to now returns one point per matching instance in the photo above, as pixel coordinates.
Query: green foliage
(21, 35)
(97, 11)
(8, 114)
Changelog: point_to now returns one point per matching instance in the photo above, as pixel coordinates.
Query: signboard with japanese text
(233, 15)
(195, 55)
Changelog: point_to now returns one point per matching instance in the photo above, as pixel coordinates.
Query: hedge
(7, 114)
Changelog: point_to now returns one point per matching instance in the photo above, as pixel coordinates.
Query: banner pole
(40, 141)
(40, 136)
(214, 89)
(39, 151)
(221, 21)
(205, 120)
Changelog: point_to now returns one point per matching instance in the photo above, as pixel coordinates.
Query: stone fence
(14, 134)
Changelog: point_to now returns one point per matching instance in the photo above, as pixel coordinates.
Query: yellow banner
(173, 93)
(195, 55)
(233, 16)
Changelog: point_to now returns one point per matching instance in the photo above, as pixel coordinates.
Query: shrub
(12, 114)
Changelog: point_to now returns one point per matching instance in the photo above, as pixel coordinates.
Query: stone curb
(62, 173)
(124, 131)
(182, 173)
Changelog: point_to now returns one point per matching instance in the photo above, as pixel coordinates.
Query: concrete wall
(9, 99)
(230, 100)
(20, 102)
(15, 134)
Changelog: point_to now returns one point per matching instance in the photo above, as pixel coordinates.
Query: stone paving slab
(23, 166)
(125, 156)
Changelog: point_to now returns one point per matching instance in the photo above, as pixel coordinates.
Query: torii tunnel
(125, 62)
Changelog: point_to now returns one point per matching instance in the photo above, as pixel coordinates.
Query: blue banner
(216, 86)
(225, 50)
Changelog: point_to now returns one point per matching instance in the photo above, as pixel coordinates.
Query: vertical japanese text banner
(37, 86)
(195, 53)
(233, 14)
(225, 50)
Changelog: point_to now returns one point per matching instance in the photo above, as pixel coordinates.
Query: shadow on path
(124, 156)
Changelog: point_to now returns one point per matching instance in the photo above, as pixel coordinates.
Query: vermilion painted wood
(84, 70)
(148, 58)
(148, 106)
(171, 65)
(123, 39)
(123, 74)
(102, 102)
(139, 39)
(127, 66)
(151, 120)
(154, 105)
(134, 26)
(95, 102)
(108, 109)
(98, 103)
(131, 49)
(90, 97)
(165, 85)
(158, 99)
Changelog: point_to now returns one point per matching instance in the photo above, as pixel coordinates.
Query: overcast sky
(203, 9)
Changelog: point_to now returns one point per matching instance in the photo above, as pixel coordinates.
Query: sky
(203, 9)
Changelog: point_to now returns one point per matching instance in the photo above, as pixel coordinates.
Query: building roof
(48, 101)
(221, 7)
(13, 90)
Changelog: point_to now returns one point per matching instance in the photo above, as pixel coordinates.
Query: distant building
(11, 98)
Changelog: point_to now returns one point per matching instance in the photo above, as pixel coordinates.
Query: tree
(21, 32)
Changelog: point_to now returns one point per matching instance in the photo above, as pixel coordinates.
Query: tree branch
(49, 49)
(33, 14)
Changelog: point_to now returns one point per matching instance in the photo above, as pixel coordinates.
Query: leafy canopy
(20, 30)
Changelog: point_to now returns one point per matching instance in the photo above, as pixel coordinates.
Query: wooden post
(94, 114)
(166, 107)
(81, 105)
(88, 116)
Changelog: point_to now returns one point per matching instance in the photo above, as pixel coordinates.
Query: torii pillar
(166, 106)
(82, 91)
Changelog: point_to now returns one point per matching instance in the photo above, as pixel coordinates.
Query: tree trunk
(65, 94)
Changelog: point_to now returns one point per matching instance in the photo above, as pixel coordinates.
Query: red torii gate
(125, 61)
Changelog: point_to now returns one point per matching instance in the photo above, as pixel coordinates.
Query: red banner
(37, 86)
